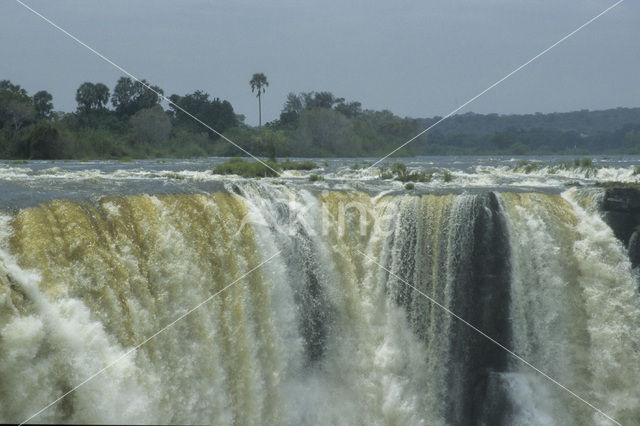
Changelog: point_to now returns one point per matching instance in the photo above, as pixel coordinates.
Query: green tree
(44, 142)
(273, 143)
(319, 100)
(324, 131)
(294, 104)
(151, 125)
(16, 107)
(216, 113)
(43, 105)
(349, 109)
(258, 83)
(131, 96)
(290, 113)
(15, 88)
(92, 97)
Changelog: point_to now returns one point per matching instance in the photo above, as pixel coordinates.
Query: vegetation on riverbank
(584, 164)
(269, 168)
(130, 121)
(400, 172)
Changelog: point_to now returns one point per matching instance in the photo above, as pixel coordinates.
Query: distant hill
(581, 132)
(584, 121)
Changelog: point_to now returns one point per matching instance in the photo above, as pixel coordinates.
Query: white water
(318, 335)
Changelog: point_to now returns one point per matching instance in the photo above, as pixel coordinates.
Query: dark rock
(622, 223)
(634, 249)
(622, 199)
(621, 211)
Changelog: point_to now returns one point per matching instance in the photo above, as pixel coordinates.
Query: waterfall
(574, 312)
(319, 334)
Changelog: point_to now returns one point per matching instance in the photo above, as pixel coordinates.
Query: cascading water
(318, 335)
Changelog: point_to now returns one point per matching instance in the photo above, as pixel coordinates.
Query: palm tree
(259, 82)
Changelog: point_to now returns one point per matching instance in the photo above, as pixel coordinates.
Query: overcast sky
(416, 58)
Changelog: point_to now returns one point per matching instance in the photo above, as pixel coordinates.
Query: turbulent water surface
(350, 323)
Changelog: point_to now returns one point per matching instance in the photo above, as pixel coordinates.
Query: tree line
(611, 131)
(131, 120)
(128, 121)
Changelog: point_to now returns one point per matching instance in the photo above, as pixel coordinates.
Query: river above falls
(33, 182)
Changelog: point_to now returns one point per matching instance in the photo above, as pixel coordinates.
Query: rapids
(319, 334)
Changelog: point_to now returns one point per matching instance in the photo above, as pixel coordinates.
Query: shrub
(586, 162)
(399, 168)
(315, 178)
(44, 142)
(562, 165)
(415, 177)
(409, 186)
(447, 176)
(240, 167)
(403, 175)
(583, 162)
(527, 166)
(298, 165)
